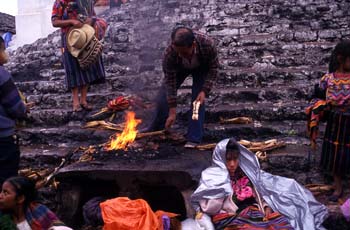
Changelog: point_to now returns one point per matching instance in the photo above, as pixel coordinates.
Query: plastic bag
(345, 208)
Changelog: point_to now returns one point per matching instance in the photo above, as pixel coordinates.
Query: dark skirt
(75, 76)
(335, 156)
(9, 158)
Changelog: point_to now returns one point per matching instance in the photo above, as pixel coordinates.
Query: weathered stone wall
(7, 23)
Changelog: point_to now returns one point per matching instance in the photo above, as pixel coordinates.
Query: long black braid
(341, 50)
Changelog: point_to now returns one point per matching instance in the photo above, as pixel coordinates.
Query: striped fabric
(335, 157)
(315, 113)
(248, 215)
(76, 76)
(11, 105)
(338, 88)
(251, 218)
(39, 217)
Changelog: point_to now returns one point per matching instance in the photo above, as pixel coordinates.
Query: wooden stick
(319, 188)
(206, 147)
(150, 134)
(236, 120)
(267, 148)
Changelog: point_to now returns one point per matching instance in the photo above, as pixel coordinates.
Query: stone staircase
(271, 53)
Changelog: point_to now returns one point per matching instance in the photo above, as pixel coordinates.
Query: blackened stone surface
(7, 23)
(272, 52)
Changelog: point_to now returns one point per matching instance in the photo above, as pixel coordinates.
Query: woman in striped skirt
(335, 157)
(68, 14)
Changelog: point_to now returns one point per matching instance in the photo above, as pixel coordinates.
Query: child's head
(17, 192)
(3, 55)
(340, 58)
(232, 156)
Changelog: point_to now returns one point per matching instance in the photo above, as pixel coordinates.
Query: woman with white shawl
(237, 194)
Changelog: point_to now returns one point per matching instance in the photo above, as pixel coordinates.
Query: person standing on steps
(335, 158)
(11, 108)
(190, 53)
(79, 15)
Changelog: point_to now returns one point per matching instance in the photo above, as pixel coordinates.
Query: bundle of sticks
(262, 146)
(45, 177)
(104, 125)
(38, 176)
(318, 189)
(236, 120)
(117, 104)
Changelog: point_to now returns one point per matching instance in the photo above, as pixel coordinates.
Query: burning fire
(121, 141)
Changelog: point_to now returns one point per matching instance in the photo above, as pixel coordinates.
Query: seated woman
(18, 209)
(237, 194)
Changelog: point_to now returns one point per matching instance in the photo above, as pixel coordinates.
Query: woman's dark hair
(2, 42)
(24, 186)
(182, 36)
(232, 149)
(342, 50)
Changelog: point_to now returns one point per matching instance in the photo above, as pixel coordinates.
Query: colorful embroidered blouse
(71, 9)
(242, 189)
(338, 88)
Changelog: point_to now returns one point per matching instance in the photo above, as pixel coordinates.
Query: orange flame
(128, 135)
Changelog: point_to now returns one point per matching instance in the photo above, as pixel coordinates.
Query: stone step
(42, 155)
(264, 111)
(293, 110)
(262, 75)
(30, 88)
(257, 94)
(258, 129)
(64, 101)
(266, 75)
(73, 133)
(71, 136)
(99, 98)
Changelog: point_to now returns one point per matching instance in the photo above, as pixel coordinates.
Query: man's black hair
(342, 49)
(182, 36)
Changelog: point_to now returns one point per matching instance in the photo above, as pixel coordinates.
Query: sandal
(77, 109)
(86, 107)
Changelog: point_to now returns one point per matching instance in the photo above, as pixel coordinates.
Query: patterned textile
(40, 217)
(335, 156)
(248, 216)
(338, 88)
(315, 113)
(251, 218)
(11, 105)
(172, 65)
(76, 76)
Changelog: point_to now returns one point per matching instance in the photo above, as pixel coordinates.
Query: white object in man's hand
(196, 105)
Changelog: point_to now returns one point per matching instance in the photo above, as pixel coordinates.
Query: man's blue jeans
(195, 127)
